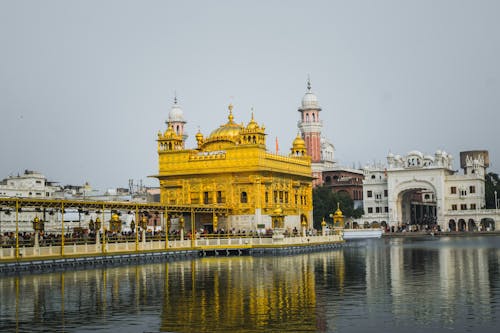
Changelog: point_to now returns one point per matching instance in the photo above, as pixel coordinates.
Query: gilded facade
(232, 168)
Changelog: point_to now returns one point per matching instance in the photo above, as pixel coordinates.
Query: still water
(386, 285)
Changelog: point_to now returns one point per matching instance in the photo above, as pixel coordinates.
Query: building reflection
(439, 278)
(396, 281)
(210, 294)
(241, 294)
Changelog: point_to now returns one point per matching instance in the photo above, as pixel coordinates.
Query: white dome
(415, 153)
(176, 113)
(309, 101)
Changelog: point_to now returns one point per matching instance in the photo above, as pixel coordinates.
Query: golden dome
(338, 212)
(230, 130)
(169, 133)
(299, 143)
(115, 217)
(252, 125)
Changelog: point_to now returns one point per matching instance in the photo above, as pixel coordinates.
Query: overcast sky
(86, 85)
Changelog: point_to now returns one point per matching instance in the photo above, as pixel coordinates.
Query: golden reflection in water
(242, 293)
(211, 294)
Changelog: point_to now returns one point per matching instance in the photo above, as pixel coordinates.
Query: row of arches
(485, 224)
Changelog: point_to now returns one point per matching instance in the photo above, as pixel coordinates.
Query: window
(386, 209)
(453, 207)
(370, 210)
(472, 189)
(205, 197)
(385, 193)
(38, 181)
(286, 197)
(243, 197)
(275, 193)
(219, 196)
(463, 207)
(472, 206)
(266, 195)
(369, 194)
(463, 192)
(377, 209)
(378, 196)
(453, 190)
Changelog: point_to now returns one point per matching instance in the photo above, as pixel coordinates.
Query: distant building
(30, 184)
(418, 191)
(347, 181)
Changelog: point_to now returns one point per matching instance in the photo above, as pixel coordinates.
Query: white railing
(73, 249)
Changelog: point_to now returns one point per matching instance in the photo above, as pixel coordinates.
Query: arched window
(244, 197)
(307, 116)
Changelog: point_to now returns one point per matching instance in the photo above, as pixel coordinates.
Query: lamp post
(181, 226)
(37, 226)
(97, 230)
(144, 226)
(496, 202)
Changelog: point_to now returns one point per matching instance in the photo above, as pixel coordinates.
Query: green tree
(491, 184)
(325, 203)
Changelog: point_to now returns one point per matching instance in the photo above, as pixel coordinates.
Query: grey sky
(86, 85)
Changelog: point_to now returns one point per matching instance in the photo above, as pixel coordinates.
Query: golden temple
(232, 168)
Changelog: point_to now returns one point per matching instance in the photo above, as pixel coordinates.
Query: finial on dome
(230, 117)
(308, 83)
(175, 97)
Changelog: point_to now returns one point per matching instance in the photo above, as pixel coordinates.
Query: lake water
(385, 285)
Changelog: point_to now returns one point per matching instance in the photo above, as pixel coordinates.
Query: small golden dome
(252, 125)
(169, 133)
(115, 217)
(338, 212)
(299, 143)
(199, 136)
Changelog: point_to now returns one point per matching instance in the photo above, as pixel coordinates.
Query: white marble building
(30, 184)
(417, 190)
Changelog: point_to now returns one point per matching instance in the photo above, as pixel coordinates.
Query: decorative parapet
(208, 155)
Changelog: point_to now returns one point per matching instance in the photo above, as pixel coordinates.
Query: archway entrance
(487, 224)
(452, 225)
(471, 225)
(417, 209)
(461, 225)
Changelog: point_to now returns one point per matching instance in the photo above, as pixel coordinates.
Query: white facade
(31, 184)
(421, 191)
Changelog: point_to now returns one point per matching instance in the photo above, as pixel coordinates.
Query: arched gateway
(415, 204)
(418, 191)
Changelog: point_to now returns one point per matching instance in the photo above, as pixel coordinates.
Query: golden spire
(230, 117)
